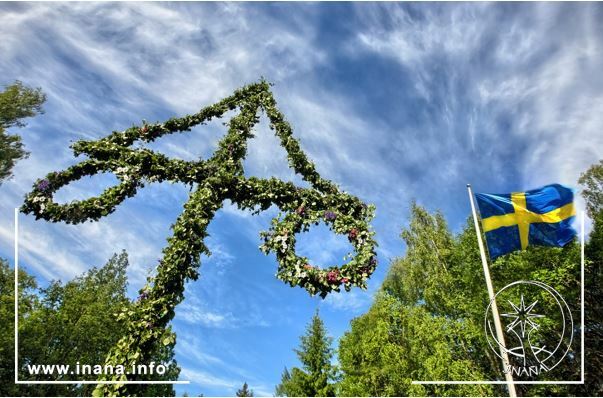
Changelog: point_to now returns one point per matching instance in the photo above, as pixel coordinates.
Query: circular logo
(537, 327)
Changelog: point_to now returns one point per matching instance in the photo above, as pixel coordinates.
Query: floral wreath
(297, 271)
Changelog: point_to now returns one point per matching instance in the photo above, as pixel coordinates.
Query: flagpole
(497, 324)
(582, 297)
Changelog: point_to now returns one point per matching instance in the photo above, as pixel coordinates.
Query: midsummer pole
(497, 324)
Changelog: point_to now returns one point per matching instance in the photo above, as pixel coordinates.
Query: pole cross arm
(215, 180)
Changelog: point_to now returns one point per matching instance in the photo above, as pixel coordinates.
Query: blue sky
(393, 102)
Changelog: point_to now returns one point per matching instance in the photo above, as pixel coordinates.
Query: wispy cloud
(536, 83)
(206, 379)
(189, 346)
(353, 302)
(193, 313)
(141, 70)
(207, 370)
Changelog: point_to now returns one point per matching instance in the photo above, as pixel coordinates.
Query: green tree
(317, 374)
(424, 272)
(427, 320)
(592, 181)
(419, 327)
(74, 323)
(28, 303)
(280, 390)
(393, 344)
(17, 102)
(244, 391)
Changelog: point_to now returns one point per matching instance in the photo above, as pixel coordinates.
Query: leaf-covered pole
(219, 178)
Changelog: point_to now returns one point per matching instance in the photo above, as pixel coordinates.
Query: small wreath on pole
(297, 270)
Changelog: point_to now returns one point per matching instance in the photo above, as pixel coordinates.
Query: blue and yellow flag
(539, 217)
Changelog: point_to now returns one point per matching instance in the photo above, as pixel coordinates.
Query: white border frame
(581, 381)
(17, 381)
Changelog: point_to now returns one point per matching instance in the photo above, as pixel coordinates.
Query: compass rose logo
(533, 315)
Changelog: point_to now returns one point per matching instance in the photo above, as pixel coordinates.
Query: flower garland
(297, 271)
(216, 179)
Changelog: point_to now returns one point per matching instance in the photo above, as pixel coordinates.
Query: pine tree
(280, 390)
(315, 354)
(244, 391)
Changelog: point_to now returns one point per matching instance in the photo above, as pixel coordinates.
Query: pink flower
(333, 277)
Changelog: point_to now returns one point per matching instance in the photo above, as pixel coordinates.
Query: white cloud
(526, 95)
(355, 301)
(203, 378)
(413, 41)
(147, 58)
(193, 311)
(190, 347)
(134, 69)
(220, 255)
(34, 250)
(208, 379)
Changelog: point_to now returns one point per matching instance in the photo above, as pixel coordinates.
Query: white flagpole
(497, 324)
(582, 342)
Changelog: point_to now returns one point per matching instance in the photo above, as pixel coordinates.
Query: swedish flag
(538, 217)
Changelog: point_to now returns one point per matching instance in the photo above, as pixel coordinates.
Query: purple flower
(333, 276)
(329, 215)
(43, 185)
(143, 296)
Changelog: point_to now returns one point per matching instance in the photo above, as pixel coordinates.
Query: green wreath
(297, 271)
(216, 180)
